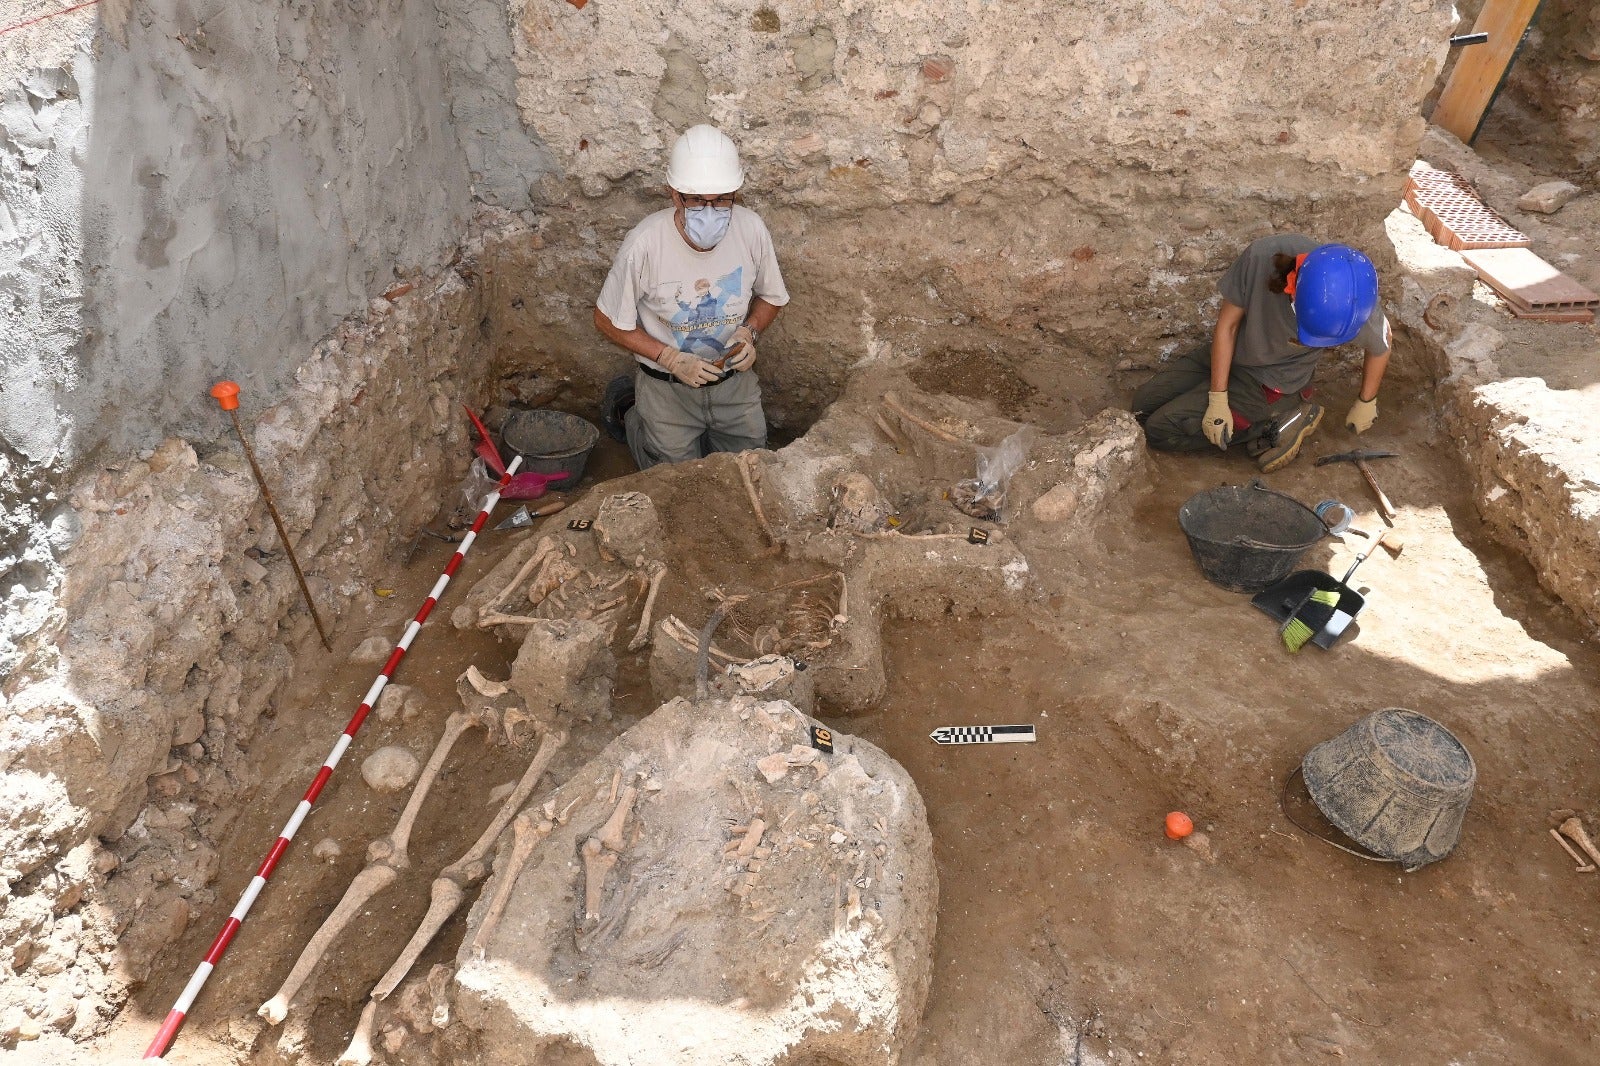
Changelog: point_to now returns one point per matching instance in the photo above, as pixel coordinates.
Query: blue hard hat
(1335, 293)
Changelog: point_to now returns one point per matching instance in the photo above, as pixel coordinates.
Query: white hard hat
(704, 163)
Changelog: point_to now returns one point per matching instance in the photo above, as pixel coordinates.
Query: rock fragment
(390, 769)
(1549, 197)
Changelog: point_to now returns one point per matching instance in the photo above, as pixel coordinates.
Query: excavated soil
(1070, 930)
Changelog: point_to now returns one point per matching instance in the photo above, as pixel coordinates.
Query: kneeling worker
(1285, 302)
(689, 294)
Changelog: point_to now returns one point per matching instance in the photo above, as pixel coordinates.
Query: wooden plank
(1532, 287)
(1479, 73)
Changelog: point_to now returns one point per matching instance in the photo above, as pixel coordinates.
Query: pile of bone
(713, 887)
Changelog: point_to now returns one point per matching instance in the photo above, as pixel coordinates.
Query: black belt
(662, 375)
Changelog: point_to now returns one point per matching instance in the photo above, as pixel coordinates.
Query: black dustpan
(1284, 598)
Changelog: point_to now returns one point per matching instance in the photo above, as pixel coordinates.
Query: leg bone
(526, 833)
(1573, 827)
(1583, 867)
(449, 888)
(359, 1053)
(597, 864)
(610, 834)
(641, 636)
(368, 883)
(386, 857)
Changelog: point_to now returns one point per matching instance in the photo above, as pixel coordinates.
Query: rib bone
(386, 857)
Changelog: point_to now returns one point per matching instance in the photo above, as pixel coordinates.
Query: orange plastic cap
(226, 393)
(1179, 825)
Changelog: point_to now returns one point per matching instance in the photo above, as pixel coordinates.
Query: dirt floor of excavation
(1070, 929)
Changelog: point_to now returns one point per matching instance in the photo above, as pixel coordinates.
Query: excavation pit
(370, 221)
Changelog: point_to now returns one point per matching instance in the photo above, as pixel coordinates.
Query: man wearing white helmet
(689, 294)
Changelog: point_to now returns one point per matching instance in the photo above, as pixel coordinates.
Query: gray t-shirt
(1268, 343)
(692, 300)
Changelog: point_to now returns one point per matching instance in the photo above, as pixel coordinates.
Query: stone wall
(192, 191)
(1033, 178)
(124, 738)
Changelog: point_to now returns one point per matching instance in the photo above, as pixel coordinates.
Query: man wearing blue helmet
(1285, 301)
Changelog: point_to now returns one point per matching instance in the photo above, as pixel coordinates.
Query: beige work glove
(745, 357)
(689, 369)
(1217, 423)
(1362, 414)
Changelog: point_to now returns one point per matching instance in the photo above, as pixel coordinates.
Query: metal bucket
(1246, 537)
(1397, 783)
(550, 442)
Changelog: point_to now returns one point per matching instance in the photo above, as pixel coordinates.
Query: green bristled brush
(1310, 618)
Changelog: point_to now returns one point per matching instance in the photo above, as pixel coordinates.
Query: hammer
(1360, 457)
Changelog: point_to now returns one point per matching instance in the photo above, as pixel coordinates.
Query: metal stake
(226, 394)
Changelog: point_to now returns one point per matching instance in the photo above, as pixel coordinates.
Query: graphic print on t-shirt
(704, 322)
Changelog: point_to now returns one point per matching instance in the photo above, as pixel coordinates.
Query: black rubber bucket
(1245, 537)
(550, 442)
(1397, 783)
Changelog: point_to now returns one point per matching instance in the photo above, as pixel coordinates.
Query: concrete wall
(1037, 179)
(199, 190)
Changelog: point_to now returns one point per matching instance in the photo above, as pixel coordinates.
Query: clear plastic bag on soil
(984, 496)
(475, 488)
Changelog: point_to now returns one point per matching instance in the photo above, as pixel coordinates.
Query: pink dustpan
(525, 486)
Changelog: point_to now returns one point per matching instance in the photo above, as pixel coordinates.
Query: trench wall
(192, 190)
(1558, 76)
(1040, 180)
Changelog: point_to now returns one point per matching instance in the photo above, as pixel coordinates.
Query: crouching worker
(1285, 302)
(689, 294)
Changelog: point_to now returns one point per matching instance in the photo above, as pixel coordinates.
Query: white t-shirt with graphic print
(692, 300)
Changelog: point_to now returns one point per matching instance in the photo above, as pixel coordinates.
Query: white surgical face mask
(706, 225)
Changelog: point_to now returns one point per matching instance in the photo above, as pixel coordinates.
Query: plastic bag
(475, 487)
(984, 496)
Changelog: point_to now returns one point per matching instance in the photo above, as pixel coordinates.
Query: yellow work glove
(745, 357)
(1362, 414)
(1217, 423)
(689, 369)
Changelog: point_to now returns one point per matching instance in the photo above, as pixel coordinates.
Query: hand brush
(1310, 618)
(1320, 608)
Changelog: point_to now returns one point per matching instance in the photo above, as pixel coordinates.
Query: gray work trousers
(670, 422)
(1173, 403)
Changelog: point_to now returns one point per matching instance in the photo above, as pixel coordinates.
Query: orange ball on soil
(1179, 825)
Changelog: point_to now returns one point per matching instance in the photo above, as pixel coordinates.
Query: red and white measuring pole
(169, 1028)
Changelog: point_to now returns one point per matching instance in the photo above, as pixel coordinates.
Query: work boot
(614, 407)
(1283, 440)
